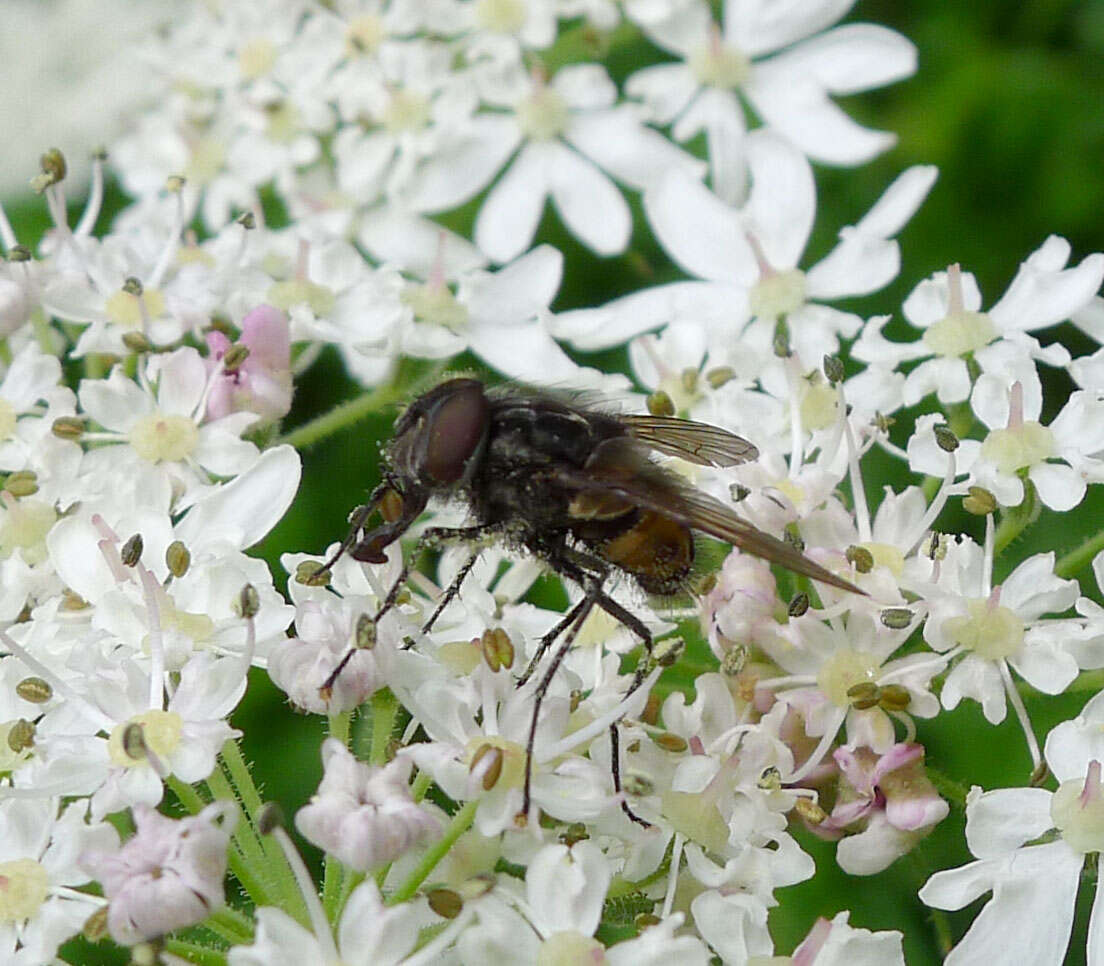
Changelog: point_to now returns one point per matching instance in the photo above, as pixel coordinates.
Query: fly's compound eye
(454, 432)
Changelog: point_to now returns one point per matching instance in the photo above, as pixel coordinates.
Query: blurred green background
(1008, 102)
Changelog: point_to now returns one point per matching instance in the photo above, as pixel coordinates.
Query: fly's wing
(696, 442)
(618, 468)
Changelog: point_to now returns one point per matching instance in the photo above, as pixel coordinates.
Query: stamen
(95, 200)
(954, 289)
(627, 708)
(673, 875)
(814, 760)
(60, 686)
(150, 587)
(1021, 713)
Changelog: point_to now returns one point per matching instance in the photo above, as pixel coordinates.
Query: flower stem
(195, 952)
(404, 383)
(948, 788)
(460, 823)
(384, 708)
(1073, 562)
(1015, 520)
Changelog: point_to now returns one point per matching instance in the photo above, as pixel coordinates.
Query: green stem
(196, 952)
(941, 923)
(1080, 557)
(244, 789)
(953, 791)
(339, 725)
(333, 885)
(422, 781)
(407, 381)
(237, 926)
(342, 416)
(242, 778)
(1014, 520)
(188, 796)
(384, 708)
(460, 823)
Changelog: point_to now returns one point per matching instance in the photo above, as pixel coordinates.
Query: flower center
(364, 34)
(207, 160)
(843, 671)
(989, 630)
(24, 526)
(126, 309)
(571, 948)
(23, 885)
(1077, 810)
(1018, 447)
(695, 815)
(7, 419)
(778, 293)
(542, 115)
(406, 111)
(887, 555)
(718, 65)
(512, 774)
(501, 16)
(959, 333)
(819, 406)
(283, 122)
(158, 437)
(256, 57)
(302, 291)
(437, 305)
(160, 731)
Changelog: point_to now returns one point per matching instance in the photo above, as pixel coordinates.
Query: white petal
(1000, 821)
(585, 87)
(519, 292)
(566, 887)
(460, 170)
(665, 89)
(588, 202)
(898, 203)
(858, 265)
(1029, 918)
(1045, 666)
(416, 245)
(633, 153)
(713, 304)
(1095, 948)
(699, 231)
(856, 57)
(948, 377)
(1033, 589)
(800, 109)
(759, 28)
(243, 511)
(1060, 487)
(735, 925)
(116, 403)
(524, 352)
(510, 214)
(782, 203)
(1041, 295)
(1090, 319)
(1071, 745)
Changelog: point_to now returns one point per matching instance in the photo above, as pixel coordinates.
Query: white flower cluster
(291, 187)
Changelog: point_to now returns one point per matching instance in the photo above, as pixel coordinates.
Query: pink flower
(890, 798)
(262, 383)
